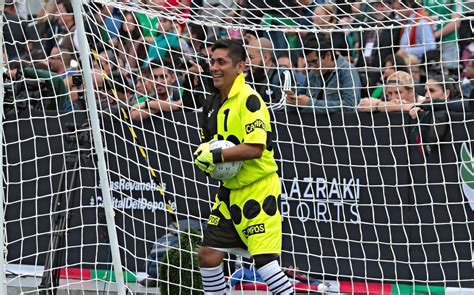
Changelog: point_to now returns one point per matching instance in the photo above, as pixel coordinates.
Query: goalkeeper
(246, 214)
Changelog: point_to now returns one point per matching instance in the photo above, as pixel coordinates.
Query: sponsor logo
(249, 128)
(466, 173)
(213, 220)
(135, 204)
(322, 199)
(254, 230)
(126, 185)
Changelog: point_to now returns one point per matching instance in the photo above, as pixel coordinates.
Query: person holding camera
(31, 86)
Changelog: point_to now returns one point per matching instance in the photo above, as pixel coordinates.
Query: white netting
(371, 108)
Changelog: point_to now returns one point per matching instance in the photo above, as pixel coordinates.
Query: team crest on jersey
(254, 230)
(213, 220)
(249, 128)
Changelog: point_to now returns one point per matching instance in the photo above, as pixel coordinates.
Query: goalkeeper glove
(205, 158)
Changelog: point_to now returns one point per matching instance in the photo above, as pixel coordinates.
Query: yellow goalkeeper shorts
(247, 218)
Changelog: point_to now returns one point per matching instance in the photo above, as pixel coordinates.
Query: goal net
(372, 128)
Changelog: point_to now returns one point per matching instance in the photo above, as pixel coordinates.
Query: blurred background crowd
(304, 55)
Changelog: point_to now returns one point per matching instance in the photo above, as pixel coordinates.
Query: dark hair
(446, 83)
(208, 42)
(256, 34)
(156, 63)
(67, 5)
(284, 54)
(135, 34)
(235, 48)
(320, 44)
(410, 3)
(96, 7)
(37, 54)
(14, 65)
(118, 81)
(397, 61)
(161, 63)
(198, 30)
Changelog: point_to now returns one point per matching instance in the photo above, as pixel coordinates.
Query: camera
(11, 88)
(77, 135)
(33, 89)
(25, 93)
(201, 60)
(184, 63)
(77, 80)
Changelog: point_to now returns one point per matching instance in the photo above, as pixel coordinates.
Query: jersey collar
(239, 82)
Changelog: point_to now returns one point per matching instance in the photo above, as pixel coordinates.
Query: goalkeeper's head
(227, 62)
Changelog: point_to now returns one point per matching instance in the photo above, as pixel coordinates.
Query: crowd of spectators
(151, 56)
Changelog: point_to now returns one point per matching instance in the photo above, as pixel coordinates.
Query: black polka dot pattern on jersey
(251, 209)
(235, 214)
(253, 103)
(270, 205)
(233, 139)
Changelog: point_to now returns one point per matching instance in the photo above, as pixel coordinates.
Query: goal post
(84, 53)
(375, 150)
(3, 288)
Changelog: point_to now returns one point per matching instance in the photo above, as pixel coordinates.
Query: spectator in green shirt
(147, 26)
(448, 14)
(162, 44)
(162, 95)
(44, 90)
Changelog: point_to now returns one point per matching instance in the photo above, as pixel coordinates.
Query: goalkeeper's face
(224, 70)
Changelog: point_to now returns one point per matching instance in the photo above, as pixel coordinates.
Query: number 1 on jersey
(226, 116)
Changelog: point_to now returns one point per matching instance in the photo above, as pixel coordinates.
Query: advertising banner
(361, 196)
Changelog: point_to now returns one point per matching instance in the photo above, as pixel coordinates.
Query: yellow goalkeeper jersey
(244, 118)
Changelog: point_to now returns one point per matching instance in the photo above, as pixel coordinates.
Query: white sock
(276, 280)
(213, 280)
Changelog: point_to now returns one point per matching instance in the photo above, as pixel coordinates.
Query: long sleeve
(425, 40)
(340, 90)
(346, 96)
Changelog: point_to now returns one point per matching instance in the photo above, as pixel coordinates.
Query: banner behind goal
(375, 152)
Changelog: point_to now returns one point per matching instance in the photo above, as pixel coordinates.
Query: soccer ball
(226, 170)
